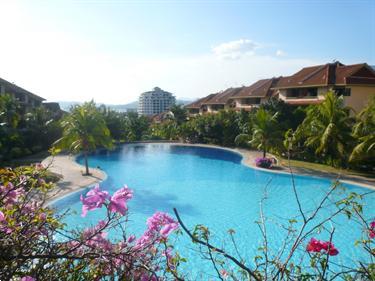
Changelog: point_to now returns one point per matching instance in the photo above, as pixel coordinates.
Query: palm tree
(83, 130)
(364, 132)
(327, 128)
(265, 132)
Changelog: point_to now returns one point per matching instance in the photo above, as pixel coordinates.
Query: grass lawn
(324, 168)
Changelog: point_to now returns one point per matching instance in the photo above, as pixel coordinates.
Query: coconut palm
(364, 132)
(84, 129)
(327, 128)
(265, 132)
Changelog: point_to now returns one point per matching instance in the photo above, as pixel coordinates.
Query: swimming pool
(210, 186)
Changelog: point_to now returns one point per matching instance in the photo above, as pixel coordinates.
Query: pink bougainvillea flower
(224, 274)
(158, 220)
(316, 246)
(159, 225)
(39, 166)
(371, 231)
(27, 278)
(2, 216)
(42, 216)
(119, 199)
(168, 228)
(131, 238)
(95, 198)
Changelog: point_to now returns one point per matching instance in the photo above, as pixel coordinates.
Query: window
(312, 92)
(342, 91)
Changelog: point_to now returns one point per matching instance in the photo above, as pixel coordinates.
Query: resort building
(309, 85)
(155, 102)
(197, 107)
(255, 94)
(26, 99)
(220, 101)
(356, 83)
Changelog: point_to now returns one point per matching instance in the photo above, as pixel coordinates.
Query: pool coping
(67, 166)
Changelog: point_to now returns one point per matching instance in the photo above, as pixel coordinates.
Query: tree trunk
(86, 163)
(264, 149)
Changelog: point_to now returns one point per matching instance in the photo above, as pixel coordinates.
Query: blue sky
(114, 50)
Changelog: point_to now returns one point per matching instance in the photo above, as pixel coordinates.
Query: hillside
(65, 105)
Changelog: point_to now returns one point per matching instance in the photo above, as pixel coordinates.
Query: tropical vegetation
(23, 133)
(84, 129)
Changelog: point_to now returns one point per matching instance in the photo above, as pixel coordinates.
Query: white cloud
(280, 53)
(235, 49)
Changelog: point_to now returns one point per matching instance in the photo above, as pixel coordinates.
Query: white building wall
(155, 102)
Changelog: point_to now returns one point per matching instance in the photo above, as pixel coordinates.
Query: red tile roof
(198, 103)
(329, 74)
(222, 97)
(259, 89)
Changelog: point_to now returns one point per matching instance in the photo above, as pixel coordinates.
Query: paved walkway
(249, 160)
(72, 175)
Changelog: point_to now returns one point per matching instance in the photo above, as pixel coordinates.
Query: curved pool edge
(72, 180)
(247, 160)
(248, 157)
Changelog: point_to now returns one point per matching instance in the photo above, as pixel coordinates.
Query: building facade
(155, 102)
(26, 99)
(356, 83)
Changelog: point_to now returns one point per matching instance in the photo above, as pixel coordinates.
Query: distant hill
(66, 105)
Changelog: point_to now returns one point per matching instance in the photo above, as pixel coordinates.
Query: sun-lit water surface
(211, 187)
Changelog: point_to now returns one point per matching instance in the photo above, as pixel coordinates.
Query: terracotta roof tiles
(329, 74)
(259, 89)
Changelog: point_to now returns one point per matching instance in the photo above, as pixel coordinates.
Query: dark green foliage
(220, 129)
(364, 133)
(289, 117)
(21, 133)
(84, 129)
(179, 114)
(327, 130)
(136, 127)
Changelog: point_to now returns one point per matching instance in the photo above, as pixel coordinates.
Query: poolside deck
(72, 178)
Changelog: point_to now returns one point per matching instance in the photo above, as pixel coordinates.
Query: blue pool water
(211, 187)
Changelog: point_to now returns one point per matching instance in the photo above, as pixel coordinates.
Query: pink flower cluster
(371, 231)
(263, 162)
(95, 199)
(159, 226)
(316, 246)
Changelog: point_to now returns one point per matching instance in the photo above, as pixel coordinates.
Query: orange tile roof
(259, 89)
(329, 74)
(198, 103)
(222, 97)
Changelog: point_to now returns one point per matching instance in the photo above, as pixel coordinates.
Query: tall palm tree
(265, 132)
(327, 128)
(364, 132)
(83, 130)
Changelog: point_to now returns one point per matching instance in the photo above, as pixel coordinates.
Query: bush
(30, 249)
(263, 162)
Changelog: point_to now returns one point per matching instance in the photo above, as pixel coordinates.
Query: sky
(112, 51)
